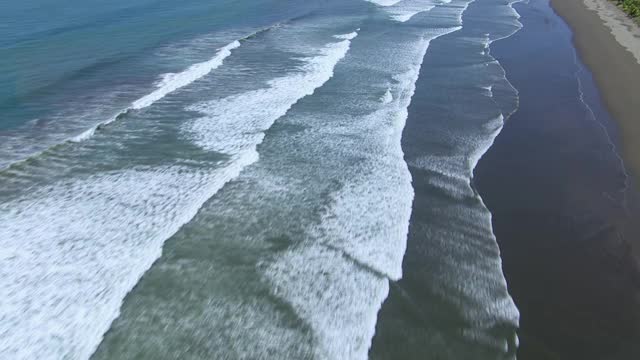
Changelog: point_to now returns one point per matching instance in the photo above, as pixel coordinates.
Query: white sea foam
(341, 309)
(170, 82)
(384, 2)
(348, 36)
(489, 90)
(72, 251)
(404, 10)
(325, 283)
(387, 97)
(337, 280)
(234, 123)
(377, 243)
(405, 15)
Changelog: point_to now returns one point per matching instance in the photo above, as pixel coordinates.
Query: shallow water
(570, 234)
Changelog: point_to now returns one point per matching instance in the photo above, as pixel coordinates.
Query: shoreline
(462, 95)
(601, 28)
(563, 210)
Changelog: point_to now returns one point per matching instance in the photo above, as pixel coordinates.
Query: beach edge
(617, 74)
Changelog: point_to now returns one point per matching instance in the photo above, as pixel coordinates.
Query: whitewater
(199, 193)
(50, 310)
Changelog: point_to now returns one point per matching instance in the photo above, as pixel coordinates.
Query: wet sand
(565, 211)
(610, 47)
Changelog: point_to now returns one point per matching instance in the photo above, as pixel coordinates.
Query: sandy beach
(609, 44)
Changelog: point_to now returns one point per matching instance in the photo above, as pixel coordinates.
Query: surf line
(174, 81)
(171, 83)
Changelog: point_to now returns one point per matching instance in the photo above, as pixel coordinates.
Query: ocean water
(564, 236)
(229, 179)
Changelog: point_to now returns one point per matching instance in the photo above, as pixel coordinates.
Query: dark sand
(615, 70)
(566, 224)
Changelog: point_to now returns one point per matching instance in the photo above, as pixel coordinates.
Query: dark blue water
(569, 235)
(228, 179)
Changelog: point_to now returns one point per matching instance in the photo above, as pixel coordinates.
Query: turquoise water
(66, 66)
(225, 179)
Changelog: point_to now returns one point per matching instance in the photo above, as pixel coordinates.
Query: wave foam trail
(381, 248)
(236, 123)
(333, 295)
(339, 277)
(113, 226)
(384, 2)
(403, 11)
(387, 97)
(170, 82)
(349, 36)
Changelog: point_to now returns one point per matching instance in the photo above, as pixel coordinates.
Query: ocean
(234, 179)
(569, 235)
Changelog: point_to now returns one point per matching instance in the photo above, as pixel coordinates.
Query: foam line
(70, 252)
(173, 82)
(406, 15)
(170, 83)
(384, 2)
(387, 97)
(237, 122)
(403, 11)
(338, 278)
(382, 248)
(167, 82)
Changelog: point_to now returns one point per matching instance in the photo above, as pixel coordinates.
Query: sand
(609, 44)
(626, 32)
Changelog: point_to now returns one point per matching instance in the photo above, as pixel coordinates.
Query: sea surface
(571, 235)
(230, 179)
